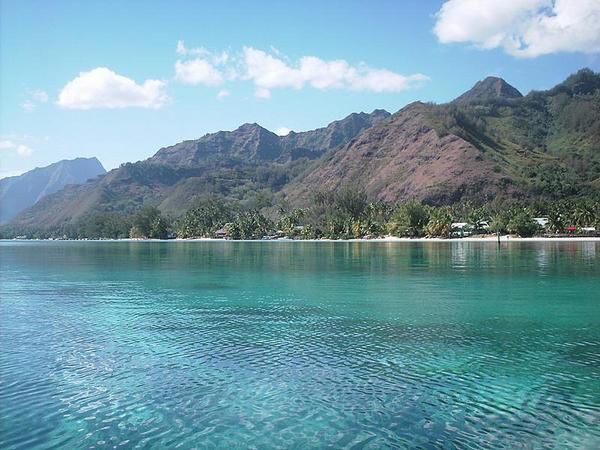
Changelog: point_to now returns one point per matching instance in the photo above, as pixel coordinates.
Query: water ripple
(259, 349)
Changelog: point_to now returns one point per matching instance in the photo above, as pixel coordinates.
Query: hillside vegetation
(489, 145)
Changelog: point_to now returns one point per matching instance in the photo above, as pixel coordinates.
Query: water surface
(299, 345)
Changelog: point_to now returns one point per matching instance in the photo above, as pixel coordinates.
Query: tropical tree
(150, 223)
(522, 223)
(249, 224)
(409, 219)
(555, 221)
(584, 214)
(205, 218)
(290, 220)
(440, 222)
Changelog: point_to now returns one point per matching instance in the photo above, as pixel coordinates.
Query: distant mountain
(491, 142)
(248, 164)
(21, 192)
(253, 143)
(489, 89)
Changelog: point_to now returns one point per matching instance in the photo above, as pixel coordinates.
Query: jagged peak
(251, 127)
(489, 88)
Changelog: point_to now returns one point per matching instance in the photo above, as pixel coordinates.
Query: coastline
(385, 239)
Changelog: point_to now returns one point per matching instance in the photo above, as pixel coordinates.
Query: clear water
(299, 345)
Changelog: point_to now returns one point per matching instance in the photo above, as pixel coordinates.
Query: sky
(119, 80)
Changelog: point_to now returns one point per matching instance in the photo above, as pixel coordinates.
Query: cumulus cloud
(204, 67)
(523, 28)
(23, 150)
(184, 51)
(197, 71)
(20, 149)
(269, 72)
(283, 131)
(103, 88)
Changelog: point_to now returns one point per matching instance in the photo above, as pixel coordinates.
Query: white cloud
(197, 71)
(7, 145)
(103, 88)
(269, 72)
(184, 51)
(21, 149)
(283, 131)
(523, 28)
(215, 59)
(222, 94)
(34, 98)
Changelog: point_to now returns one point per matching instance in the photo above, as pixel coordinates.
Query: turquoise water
(299, 345)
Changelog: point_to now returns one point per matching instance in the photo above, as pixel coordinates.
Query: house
(221, 233)
(461, 229)
(541, 221)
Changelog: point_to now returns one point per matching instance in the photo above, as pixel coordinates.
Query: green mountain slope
(491, 142)
(248, 164)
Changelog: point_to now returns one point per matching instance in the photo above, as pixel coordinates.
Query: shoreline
(385, 239)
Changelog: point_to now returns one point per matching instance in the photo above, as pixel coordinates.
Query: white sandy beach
(486, 239)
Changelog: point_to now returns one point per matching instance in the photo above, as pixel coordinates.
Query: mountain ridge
(542, 145)
(22, 191)
(487, 89)
(249, 157)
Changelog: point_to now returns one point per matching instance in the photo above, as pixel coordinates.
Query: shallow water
(299, 345)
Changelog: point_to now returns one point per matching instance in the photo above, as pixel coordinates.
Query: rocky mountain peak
(487, 89)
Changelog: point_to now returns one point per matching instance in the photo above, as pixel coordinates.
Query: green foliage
(150, 223)
(249, 225)
(409, 219)
(522, 223)
(292, 223)
(547, 143)
(333, 215)
(440, 222)
(104, 225)
(206, 218)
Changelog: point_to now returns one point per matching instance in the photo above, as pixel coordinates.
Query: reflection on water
(301, 345)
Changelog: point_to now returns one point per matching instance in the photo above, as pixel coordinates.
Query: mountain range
(489, 142)
(20, 192)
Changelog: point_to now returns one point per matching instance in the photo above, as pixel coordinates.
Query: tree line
(343, 214)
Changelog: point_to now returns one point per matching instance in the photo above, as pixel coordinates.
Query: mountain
(21, 192)
(249, 164)
(402, 158)
(489, 89)
(490, 142)
(253, 143)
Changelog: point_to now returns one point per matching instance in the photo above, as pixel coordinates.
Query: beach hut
(221, 233)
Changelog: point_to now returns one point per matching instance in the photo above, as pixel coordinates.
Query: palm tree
(555, 221)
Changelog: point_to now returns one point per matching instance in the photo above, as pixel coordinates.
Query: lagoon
(299, 345)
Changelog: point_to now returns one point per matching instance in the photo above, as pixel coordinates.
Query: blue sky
(108, 79)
